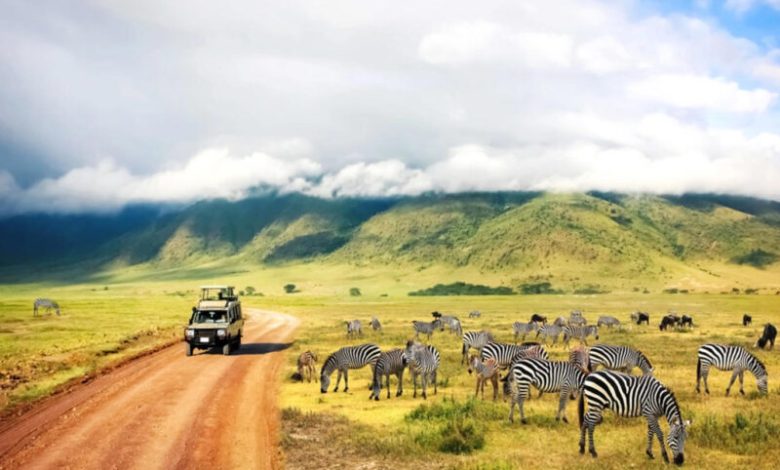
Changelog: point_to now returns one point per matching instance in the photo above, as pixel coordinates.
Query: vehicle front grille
(210, 334)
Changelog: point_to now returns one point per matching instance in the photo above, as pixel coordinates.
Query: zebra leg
(562, 405)
(435, 383)
(741, 381)
(705, 372)
(654, 428)
(591, 424)
(425, 385)
(400, 384)
(476, 390)
(731, 382)
(414, 381)
(338, 381)
(494, 381)
(346, 380)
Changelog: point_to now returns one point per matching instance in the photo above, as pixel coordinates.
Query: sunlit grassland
(621, 442)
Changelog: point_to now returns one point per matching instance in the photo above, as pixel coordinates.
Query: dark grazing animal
(768, 336)
(746, 320)
(539, 319)
(686, 321)
(669, 320)
(642, 317)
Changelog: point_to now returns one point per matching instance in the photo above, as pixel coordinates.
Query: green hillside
(569, 240)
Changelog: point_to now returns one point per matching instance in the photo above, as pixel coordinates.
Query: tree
(289, 288)
(250, 290)
(354, 292)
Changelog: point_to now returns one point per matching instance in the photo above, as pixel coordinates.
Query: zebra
(734, 358)
(354, 328)
(348, 357)
(521, 328)
(556, 376)
(476, 340)
(505, 353)
(579, 332)
(608, 321)
(548, 331)
(560, 321)
(452, 323)
(532, 352)
(375, 325)
(633, 396)
(621, 358)
(423, 360)
(48, 304)
(475, 314)
(306, 365)
(576, 319)
(390, 362)
(485, 371)
(425, 327)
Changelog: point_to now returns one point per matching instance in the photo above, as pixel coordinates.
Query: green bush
(290, 288)
(744, 434)
(462, 288)
(354, 292)
(538, 288)
(756, 258)
(590, 289)
(462, 436)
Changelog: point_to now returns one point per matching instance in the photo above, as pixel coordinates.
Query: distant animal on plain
(667, 321)
(746, 320)
(686, 321)
(560, 321)
(307, 366)
(375, 324)
(576, 319)
(607, 321)
(539, 319)
(425, 327)
(640, 317)
(354, 329)
(475, 314)
(47, 304)
(522, 329)
(768, 336)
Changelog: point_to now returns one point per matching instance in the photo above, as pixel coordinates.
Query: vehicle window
(211, 316)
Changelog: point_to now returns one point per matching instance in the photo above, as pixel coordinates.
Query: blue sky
(105, 103)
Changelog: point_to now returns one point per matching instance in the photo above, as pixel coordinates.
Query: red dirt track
(164, 410)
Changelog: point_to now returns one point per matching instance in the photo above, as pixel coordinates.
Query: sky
(107, 103)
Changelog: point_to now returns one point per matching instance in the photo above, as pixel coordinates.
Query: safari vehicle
(216, 321)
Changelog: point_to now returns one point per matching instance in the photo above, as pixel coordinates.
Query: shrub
(249, 290)
(590, 289)
(671, 290)
(537, 288)
(462, 288)
(745, 433)
(354, 292)
(290, 288)
(462, 436)
(756, 258)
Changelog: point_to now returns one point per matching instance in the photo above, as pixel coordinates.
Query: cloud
(699, 92)
(742, 6)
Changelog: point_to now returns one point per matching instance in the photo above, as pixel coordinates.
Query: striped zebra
(348, 357)
(550, 331)
(576, 319)
(375, 325)
(306, 365)
(556, 376)
(451, 323)
(354, 328)
(579, 332)
(532, 352)
(734, 358)
(389, 363)
(476, 340)
(560, 321)
(425, 327)
(484, 371)
(505, 353)
(620, 358)
(423, 360)
(47, 304)
(632, 396)
(607, 321)
(521, 328)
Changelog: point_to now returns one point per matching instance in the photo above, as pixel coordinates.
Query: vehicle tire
(188, 349)
(226, 349)
(238, 343)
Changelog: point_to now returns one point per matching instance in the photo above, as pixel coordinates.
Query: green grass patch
(744, 433)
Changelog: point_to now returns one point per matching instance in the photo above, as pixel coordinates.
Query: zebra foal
(349, 357)
(307, 365)
(485, 371)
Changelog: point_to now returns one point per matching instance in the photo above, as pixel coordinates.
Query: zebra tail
(581, 408)
(698, 370)
(463, 351)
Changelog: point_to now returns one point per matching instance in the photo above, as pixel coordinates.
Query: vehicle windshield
(211, 316)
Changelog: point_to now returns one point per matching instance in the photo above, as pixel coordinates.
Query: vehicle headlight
(190, 333)
(221, 333)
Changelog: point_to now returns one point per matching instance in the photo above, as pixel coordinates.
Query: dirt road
(164, 411)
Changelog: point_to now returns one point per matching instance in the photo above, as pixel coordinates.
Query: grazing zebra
(632, 396)
(621, 358)
(354, 328)
(532, 352)
(423, 360)
(452, 323)
(485, 371)
(375, 325)
(576, 319)
(425, 327)
(476, 340)
(475, 314)
(734, 358)
(521, 328)
(505, 353)
(550, 331)
(556, 376)
(560, 321)
(607, 321)
(307, 365)
(579, 332)
(389, 363)
(48, 304)
(348, 357)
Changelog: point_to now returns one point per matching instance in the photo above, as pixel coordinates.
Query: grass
(144, 307)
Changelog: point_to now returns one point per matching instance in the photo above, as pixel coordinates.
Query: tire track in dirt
(164, 411)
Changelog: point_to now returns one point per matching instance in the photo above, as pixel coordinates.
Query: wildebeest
(746, 320)
(538, 319)
(668, 320)
(436, 314)
(686, 320)
(768, 336)
(640, 317)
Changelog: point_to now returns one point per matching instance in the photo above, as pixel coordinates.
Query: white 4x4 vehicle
(216, 321)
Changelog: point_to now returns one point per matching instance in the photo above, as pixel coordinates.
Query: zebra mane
(329, 364)
(758, 361)
(647, 359)
(675, 403)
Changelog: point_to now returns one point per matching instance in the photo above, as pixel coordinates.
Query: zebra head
(678, 431)
(763, 384)
(410, 353)
(324, 382)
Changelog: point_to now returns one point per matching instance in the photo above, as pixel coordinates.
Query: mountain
(572, 238)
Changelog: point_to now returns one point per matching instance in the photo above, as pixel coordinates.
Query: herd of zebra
(528, 365)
